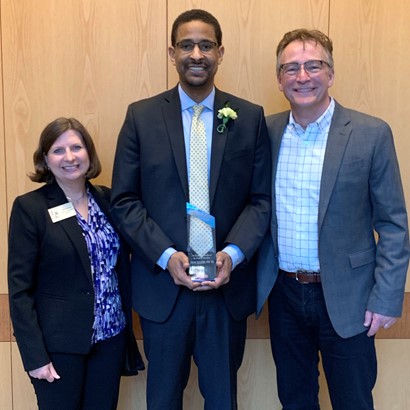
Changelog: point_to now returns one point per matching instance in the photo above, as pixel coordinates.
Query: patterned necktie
(200, 235)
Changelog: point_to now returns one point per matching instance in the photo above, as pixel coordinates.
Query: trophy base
(203, 268)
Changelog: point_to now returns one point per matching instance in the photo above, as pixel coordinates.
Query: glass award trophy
(201, 248)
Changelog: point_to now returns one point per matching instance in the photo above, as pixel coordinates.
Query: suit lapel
(339, 134)
(276, 130)
(276, 134)
(173, 121)
(218, 145)
(71, 228)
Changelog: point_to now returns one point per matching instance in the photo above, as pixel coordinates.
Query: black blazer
(150, 191)
(49, 274)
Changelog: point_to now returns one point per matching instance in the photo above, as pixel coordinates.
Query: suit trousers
(200, 326)
(300, 328)
(87, 382)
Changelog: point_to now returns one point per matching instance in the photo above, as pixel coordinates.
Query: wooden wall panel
(87, 59)
(3, 199)
(371, 61)
(5, 329)
(392, 389)
(5, 376)
(90, 58)
(22, 389)
(251, 31)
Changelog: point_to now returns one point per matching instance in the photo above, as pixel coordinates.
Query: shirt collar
(187, 102)
(322, 122)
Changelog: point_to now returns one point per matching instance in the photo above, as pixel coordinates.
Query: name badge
(61, 212)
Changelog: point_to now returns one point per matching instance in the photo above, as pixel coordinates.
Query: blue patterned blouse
(103, 247)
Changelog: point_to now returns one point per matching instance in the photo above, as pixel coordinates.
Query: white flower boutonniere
(225, 114)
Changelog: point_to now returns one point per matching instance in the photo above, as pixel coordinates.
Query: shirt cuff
(164, 258)
(235, 253)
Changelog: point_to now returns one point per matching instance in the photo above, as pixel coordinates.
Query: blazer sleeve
(390, 223)
(24, 241)
(127, 208)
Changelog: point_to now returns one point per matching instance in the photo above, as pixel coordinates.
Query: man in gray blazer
(330, 281)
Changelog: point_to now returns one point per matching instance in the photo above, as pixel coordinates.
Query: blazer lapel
(276, 131)
(276, 134)
(173, 121)
(339, 135)
(70, 226)
(218, 145)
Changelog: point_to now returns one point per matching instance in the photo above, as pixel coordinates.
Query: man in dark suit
(331, 286)
(181, 318)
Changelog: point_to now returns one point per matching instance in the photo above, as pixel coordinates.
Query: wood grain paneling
(257, 378)
(392, 390)
(87, 59)
(371, 62)
(90, 58)
(5, 327)
(132, 389)
(6, 399)
(401, 329)
(3, 202)
(136, 326)
(23, 392)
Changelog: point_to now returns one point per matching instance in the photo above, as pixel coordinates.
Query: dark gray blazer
(361, 194)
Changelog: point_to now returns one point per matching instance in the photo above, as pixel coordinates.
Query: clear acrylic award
(201, 244)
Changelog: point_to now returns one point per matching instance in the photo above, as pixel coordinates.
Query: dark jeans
(300, 327)
(88, 382)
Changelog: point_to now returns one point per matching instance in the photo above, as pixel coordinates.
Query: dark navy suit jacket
(150, 191)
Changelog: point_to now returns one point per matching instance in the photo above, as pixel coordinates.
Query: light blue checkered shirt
(297, 187)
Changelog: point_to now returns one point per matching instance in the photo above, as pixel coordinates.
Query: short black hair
(199, 15)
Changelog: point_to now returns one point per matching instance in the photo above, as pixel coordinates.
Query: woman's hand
(46, 372)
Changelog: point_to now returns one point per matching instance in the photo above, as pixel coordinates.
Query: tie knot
(198, 110)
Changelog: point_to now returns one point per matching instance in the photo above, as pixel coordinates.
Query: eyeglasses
(205, 46)
(311, 67)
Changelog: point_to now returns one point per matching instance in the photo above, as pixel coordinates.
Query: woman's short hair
(50, 134)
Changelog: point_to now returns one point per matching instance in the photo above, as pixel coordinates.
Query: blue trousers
(300, 328)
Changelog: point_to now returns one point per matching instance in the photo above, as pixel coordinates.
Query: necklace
(77, 200)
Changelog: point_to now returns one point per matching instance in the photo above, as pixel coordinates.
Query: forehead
(303, 50)
(195, 30)
(69, 136)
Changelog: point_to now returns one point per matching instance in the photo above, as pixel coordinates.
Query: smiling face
(307, 93)
(196, 68)
(68, 159)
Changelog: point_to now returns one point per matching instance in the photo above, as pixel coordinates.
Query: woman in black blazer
(68, 274)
